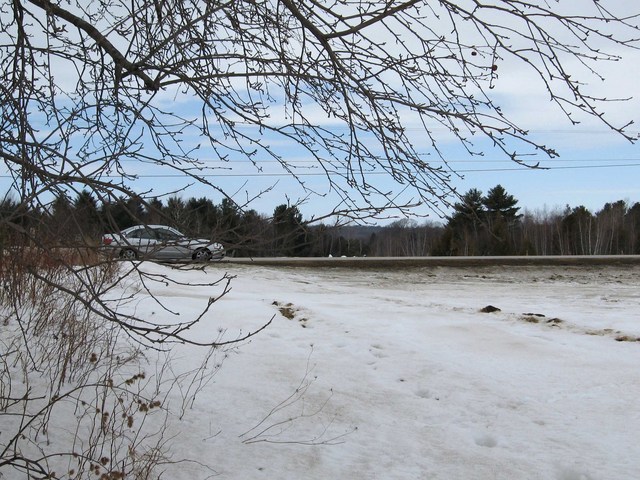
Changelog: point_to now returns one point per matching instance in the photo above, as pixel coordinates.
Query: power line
(229, 163)
(559, 167)
(324, 174)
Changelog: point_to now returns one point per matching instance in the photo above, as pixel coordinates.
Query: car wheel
(201, 255)
(128, 254)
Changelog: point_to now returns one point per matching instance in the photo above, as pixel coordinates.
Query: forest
(480, 224)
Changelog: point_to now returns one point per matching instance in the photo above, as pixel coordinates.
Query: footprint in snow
(486, 440)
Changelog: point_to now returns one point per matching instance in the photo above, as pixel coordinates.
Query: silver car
(160, 242)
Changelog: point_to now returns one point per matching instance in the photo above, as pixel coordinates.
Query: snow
(398, 374)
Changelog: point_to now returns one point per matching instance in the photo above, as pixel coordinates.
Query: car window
(134, 233)
(164, 234)
(143, 233)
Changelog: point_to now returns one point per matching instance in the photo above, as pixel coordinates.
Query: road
(403, 262)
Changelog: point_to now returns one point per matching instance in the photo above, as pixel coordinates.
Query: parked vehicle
(160, 242)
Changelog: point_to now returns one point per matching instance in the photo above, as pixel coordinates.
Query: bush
(73, 397)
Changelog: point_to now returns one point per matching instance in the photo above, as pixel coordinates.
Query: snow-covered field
(398, 374)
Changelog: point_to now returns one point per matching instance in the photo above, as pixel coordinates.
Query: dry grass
(62, 365)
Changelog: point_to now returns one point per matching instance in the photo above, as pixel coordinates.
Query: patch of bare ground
(540, 318)
(290, 312)
(617, 335)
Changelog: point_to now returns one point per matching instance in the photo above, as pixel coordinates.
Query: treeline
(480, 224)
(492, 224)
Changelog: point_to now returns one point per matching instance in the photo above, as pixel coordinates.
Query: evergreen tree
(10, 214)
(290, 235)
(203, 217)
(253, 235)
(61, 222)
(123, 213)
(502, 219)
(462, 234)
(156, 212)
(87, 217)
(230, 225)
(499, 204)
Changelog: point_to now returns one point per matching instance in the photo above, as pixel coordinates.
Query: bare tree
(85, 86)
(95, 92)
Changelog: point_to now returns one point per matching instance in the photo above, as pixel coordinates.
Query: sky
(595, 165)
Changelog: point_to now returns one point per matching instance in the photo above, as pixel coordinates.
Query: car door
(171, 245)
(143, 240)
